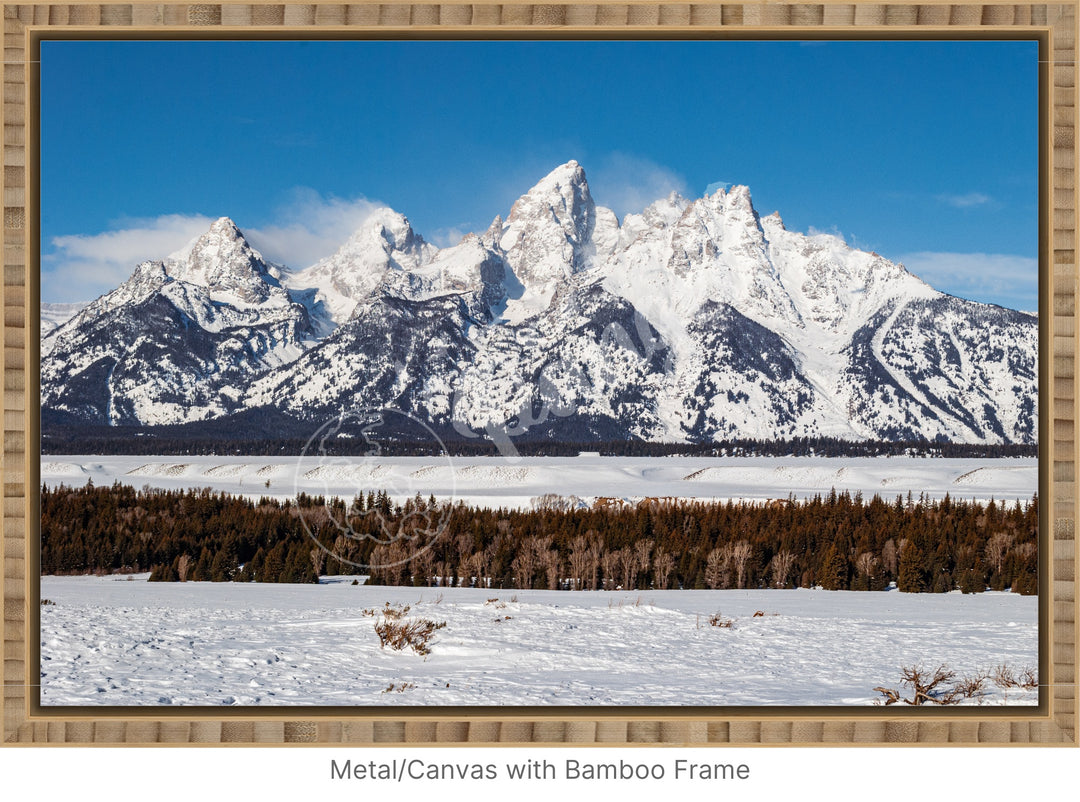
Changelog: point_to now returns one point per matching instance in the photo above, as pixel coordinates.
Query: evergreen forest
(838, 541)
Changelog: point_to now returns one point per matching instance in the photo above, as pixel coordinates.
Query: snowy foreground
(515, 483)
(109, 641)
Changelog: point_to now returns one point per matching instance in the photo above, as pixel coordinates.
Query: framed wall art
(608, 374)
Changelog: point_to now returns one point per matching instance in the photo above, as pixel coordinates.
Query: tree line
(838, 541)
(248, 434)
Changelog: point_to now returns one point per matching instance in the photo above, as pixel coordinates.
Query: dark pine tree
(911, 577)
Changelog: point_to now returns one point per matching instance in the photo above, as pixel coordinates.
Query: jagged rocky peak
(226, 228)
(735, 207)
(655, 218)
(222, 240)
(385, 240)
(490, 238)
(565, 185)
(394, 233)
(774, 219)
(547, 234)
(738, 196)
(223, 261)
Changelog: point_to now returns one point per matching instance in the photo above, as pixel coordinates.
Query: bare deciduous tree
(477, 565)
(740, 556)
(579, 561)
(442, 574)
(524, 566)
(642, 553)
(780, 567)
(866, 563)
(464, 545)
(423, 566)
(716, 568)
(627, 563)
(318, 559)
(663, 565)
(552, 568)
(997, 547)
(609, 563)
(593, 567)
(1025, 550)
(890, 556)
(398, 563)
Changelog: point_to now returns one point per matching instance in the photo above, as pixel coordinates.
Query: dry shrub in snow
(942, 687)
(1005, 677)
(403, 634)
(717, 620)
(970, 687)
(928, 687)
(394, 613)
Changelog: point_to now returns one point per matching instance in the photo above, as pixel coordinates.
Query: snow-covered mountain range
(693, 321)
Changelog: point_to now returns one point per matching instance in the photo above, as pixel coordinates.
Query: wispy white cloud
(1003, 279)
(448, 237)
(82, 267)
(627, 184)
(966, 201)
(306, 228)
(814, 231)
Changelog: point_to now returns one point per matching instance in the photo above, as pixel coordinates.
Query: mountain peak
(391, 227)
(225, 226)
(223, 241)
(221, 230)
(570, 171)
(223, 261)
(739, 196)
(564, 187)
(549, 230)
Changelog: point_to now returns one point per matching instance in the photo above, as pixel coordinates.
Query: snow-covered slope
(384, 244)
(53, 316)
(692, 321)
(179, 340)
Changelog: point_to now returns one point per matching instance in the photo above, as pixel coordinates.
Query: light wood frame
(1052, 722)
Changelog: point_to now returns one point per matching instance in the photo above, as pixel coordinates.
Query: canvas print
(598, 374)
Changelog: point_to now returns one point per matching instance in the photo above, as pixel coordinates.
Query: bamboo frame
(1055, 719)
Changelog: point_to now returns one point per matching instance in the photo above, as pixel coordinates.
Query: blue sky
(925, 152)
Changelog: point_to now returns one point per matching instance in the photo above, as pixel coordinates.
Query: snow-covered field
(109, 641)
(502, 482)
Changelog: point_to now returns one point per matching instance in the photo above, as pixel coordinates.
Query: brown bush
(926, 687)
(394, 613)
(405, 634)
(1005, 677)
(939, 687)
